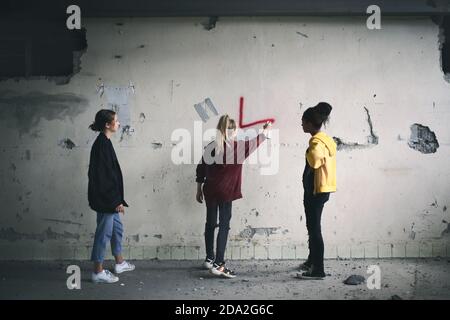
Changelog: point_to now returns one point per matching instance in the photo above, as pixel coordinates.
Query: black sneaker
(309, 275)
(221, 271)
(305, 266)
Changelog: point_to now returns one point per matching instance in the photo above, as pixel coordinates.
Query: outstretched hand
(267, 125)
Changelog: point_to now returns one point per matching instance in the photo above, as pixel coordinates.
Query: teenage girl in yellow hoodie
(319, 180)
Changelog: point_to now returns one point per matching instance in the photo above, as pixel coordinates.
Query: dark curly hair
(317, 115)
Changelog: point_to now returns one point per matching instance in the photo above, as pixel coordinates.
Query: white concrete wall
(385, 191)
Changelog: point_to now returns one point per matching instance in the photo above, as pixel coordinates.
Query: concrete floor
(257, 279)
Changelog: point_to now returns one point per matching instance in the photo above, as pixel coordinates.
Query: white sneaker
(124, 266)
(208, 264)
(104, 277)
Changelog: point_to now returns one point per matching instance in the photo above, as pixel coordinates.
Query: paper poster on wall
(118, 101)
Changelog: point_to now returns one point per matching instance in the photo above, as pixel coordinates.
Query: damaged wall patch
(249, 232)
(67, 144)
(423, 139)
(12, 235)
(28, 109)
(372, 139)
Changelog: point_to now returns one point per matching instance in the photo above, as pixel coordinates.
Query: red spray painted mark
(241, 116)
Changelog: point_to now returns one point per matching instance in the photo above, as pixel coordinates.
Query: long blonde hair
(225, 124)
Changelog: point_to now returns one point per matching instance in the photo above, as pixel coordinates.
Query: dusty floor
(257, 279)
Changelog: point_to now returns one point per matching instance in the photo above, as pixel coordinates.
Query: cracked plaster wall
(390, 198)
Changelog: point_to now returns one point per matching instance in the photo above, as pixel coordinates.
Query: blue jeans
(109, 229)
(224, 226)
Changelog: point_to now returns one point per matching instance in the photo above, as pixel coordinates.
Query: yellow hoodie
(321, 156)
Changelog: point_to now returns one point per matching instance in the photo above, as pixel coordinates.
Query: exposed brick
(412, 250)
(288, 252)
(301, 251)
(357, 251)
(163, 253)
(192, 253)
(399, 250)
(261, 252)
(343, 251)
(247, 252)
(274, 252)
(370, 250)
(384, 250)
(235, 252)
(150, 252)
(177, 253)
(425, 250)
(137, 253)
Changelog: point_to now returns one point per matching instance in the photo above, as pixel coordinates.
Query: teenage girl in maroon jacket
(222, 176)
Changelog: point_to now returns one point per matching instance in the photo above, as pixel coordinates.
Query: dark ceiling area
(36, 42)
(174, 8)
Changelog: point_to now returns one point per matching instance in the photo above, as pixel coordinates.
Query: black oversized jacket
(105, 187)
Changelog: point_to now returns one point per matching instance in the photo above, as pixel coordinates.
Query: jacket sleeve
(201, 171)
(108, 191)
(315, 154)
(253, 144)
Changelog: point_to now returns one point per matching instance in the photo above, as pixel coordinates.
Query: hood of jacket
(326, 140)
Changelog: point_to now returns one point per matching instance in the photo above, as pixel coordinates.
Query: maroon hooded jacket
(222, 181)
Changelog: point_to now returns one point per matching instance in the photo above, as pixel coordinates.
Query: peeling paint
(446, 231)
(249, 232)
(423, 139)
(118, 101)
(372, 139)
(211, 23)
(126, 132)
(63, 221)
(341, 145)
(28, 109)
(12, 235)
(444, 44)
(434, 204)
(156, 145)
(66, 144)
(302, 34)
(75, 46)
